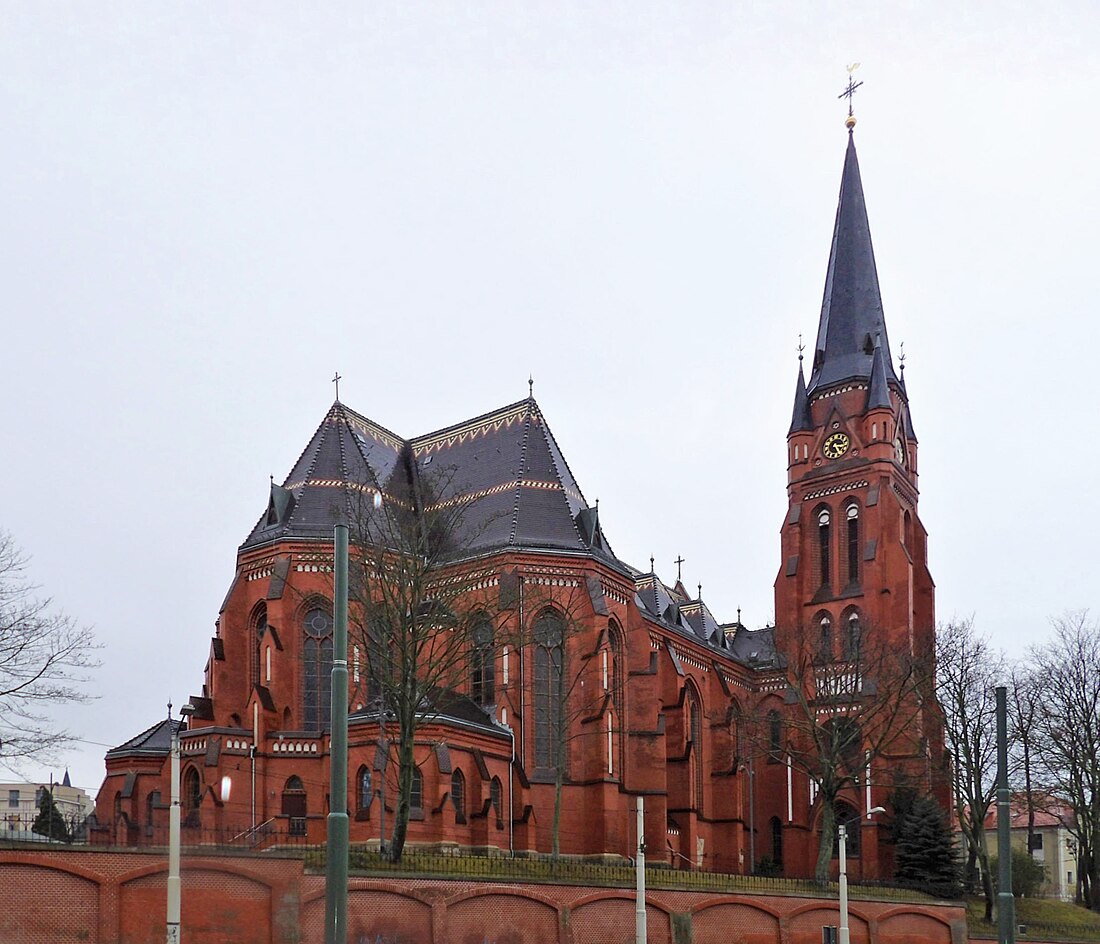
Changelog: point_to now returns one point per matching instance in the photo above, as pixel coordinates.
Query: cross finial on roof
(336, 378)
(679, 563)
(850, 122)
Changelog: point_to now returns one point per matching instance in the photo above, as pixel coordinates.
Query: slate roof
(451, 706)
(156, 740)
(851, 310)
(505, 467)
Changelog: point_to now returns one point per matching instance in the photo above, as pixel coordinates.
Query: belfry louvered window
(852, 514)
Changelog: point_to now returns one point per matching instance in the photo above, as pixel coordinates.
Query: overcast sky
(210, 208)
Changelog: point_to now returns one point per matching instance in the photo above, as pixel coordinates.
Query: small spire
(530, 386)
(336, 378)
(739, 616)
(850, 121)
(651, 570)
(169, 709)
(700, 597)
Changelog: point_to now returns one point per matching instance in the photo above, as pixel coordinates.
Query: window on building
(695, 719)
(259, 630)
(849, 817)
(548, 636)
(824, 532)
(777, 840)
(13, 799)
(496, 796)
(907, 530)
(416, 795)
(294, 806)
(775, 736)
(192, 791)
(458, 795)
(852, 636)
(1037, 842)
(364, 789)
(483, 664)
(825, 624)
(316, 669)
(852, 515)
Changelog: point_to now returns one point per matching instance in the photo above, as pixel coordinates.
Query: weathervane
(901, 357)
(850, 123)
(801, 348)
(336, 378)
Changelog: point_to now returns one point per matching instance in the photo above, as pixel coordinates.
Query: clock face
(899, 451)
(835, 445)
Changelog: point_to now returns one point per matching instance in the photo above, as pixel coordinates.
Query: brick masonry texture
(92, 896)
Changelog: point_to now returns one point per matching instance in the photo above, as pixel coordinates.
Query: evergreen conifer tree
(926, 850)
(50, 822)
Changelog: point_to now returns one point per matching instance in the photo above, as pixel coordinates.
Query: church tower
(854, 551)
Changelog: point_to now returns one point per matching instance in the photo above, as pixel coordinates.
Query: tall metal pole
(174, 843)
(842, 835)
(336, 858)
(752, 819)
(1006, 905)
(640, 930)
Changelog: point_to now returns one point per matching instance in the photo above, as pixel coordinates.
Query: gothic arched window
(849, 817)
(482, 663)
(695, 719)
(458, 795)
(777, 840)
(259, 630)
(852, 515)
(364, 789)
(316, 668)
(495, 796)
(548, 636)
(825, 623)
(824, 531)
(852, 635)
(775, 735)
(192, 791)
(416, 795)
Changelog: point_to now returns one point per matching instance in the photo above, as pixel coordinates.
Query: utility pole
(1006, 905)
(640, 929)
(336, 854)
(174, 842)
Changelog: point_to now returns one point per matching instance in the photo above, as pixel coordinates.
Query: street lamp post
(842, 836)
(173, 880)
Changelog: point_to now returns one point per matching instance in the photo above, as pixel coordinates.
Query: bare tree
(968, 671)
(419, 607)
(843, 713)
(1068, 732)
(575, 689)
(1023, 716)
(45, 657)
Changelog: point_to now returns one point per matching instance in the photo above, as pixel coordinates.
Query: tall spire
(851, 310)
(878, 392)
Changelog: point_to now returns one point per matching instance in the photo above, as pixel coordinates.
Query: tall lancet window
(824, 533)
(316, 668)
(852, 515)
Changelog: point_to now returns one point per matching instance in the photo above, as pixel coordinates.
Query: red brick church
(677, 683)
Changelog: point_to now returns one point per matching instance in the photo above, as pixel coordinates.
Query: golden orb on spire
(850, 122)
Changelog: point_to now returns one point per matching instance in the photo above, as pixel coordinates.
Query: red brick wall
(93, 896)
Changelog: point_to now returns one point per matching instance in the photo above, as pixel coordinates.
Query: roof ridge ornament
(850, 121)
(336, 378)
